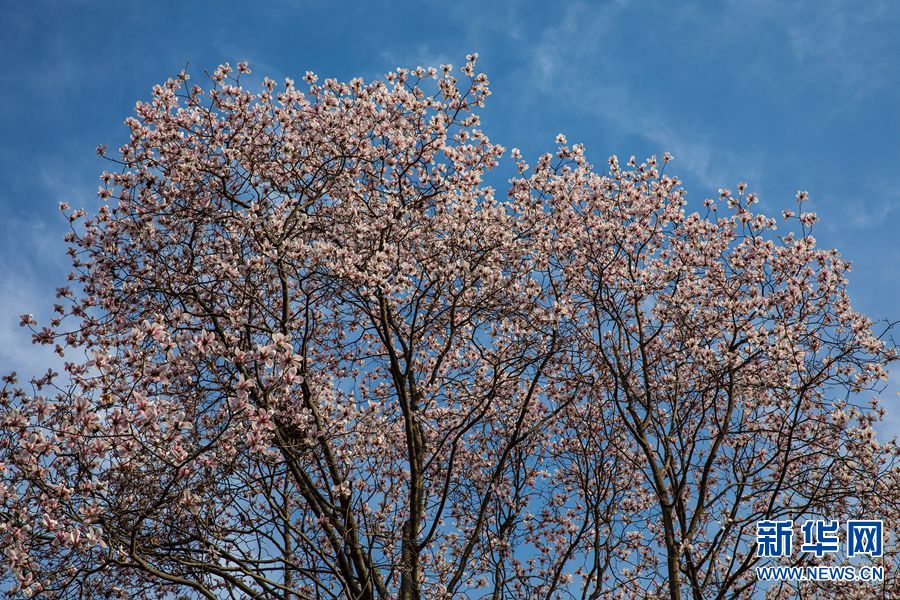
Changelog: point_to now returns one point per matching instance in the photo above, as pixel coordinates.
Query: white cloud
(559, 66)
(20, 295)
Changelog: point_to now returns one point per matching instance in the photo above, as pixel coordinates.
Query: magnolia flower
(294, 295)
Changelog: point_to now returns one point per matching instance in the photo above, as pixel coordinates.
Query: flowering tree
(324, 360)
(732, 358)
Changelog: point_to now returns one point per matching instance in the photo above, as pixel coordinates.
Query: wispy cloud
(18, 295)
(30, 251)
(569, 60)
(834, 39)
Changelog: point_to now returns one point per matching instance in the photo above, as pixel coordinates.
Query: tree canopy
(322, 357)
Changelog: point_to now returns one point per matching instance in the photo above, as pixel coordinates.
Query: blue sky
(783, 95)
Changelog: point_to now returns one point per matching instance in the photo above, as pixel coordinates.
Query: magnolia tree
(323, 358)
